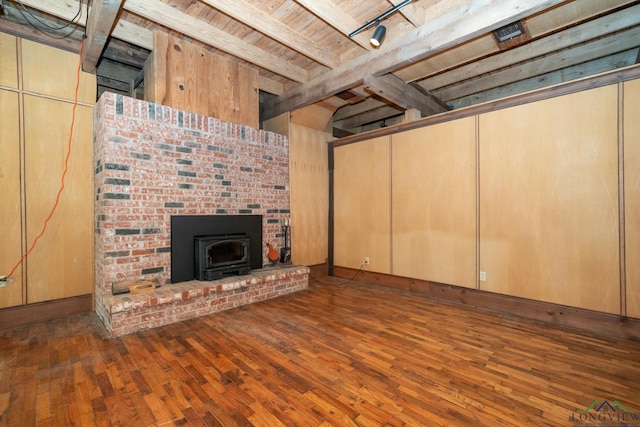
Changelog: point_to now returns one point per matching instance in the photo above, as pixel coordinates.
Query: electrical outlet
(3, 281)
(483, 276)
(366, 260)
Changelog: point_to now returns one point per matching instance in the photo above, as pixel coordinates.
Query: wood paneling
(10, 224)
(362, 197)
(549, 200)
(632, 195)
(309, 180)
(434, 203)
(52, 72)
(8, 61)
(61, 265)
(188, 77)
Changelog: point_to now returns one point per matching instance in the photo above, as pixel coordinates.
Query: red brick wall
(153, 161)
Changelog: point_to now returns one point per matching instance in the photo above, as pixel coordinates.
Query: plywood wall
(186, 76)
(549, 200)
(632, 195)
(36, 121)
(10, 225)
(362, 198)
(8, 61)
(546, 181)
(309, 179)
(61, 265)
(434, 203)
(52, 72)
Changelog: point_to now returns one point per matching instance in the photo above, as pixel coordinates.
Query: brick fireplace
(153, 162)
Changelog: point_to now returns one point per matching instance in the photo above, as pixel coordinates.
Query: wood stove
(184, 251)
(218, 256)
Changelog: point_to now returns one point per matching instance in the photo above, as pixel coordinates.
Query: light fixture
(380, 31)
(378, 35)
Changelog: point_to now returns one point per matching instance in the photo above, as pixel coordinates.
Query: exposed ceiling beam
(581, 54)
(271, 27)
(125, 31)
(339, 19)
(590, 30)
(598, 66)
(402, 94)
(409, 12)
(370, 116)
(186, 24)
(461, 24)
(359, 108)
(102, 16)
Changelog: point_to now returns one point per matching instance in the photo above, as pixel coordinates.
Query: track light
(378, 35)
(380, 31)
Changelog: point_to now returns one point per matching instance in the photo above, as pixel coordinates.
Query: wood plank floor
(339, 354)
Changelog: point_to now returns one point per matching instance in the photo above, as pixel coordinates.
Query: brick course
(152, 162)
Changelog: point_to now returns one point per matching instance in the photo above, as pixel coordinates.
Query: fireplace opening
(219, 256)
(186, 228)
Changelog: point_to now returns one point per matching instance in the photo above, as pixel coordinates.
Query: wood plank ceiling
(437, 55)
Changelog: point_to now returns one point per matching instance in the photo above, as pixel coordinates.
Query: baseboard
(318, 270)
(31, 313)
(586, 321)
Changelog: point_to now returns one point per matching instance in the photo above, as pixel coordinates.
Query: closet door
(61, 265)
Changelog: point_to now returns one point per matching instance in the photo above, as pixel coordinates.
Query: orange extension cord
(64, 172)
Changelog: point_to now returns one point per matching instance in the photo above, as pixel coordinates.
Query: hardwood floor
(340, 354)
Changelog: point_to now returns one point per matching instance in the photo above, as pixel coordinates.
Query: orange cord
(64, 172)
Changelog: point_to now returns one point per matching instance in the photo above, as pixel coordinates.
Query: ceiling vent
(512, 35)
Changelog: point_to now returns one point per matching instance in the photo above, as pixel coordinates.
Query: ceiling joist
(402, 94)
(470, 20)
(102, 17)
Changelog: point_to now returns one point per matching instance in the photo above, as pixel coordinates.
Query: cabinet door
(61, 265)
(10, 230)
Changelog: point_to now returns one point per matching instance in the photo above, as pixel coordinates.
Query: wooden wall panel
(632, 195)
(549, 200)
(10, 223)
(309, 180)
(183, 75)
(362, 213)
(62, 263)
(8, 61)
(434, 203)
(52, 72)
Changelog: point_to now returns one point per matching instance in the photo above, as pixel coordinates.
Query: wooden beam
(338, 18)
(100, 23)
(275, 29)
(559, 60)
(467, 21)
(573, 36)
(186, 24)
(359, 108)
(368, 117)
(71, 43)
(410, 13)
(125, 31)
(402, 94)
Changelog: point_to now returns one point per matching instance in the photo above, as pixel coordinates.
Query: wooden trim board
(585, 321)
(39, 312)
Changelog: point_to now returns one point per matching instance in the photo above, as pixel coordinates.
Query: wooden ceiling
(437, 54)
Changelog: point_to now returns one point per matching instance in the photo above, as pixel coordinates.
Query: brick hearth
(152, 162)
